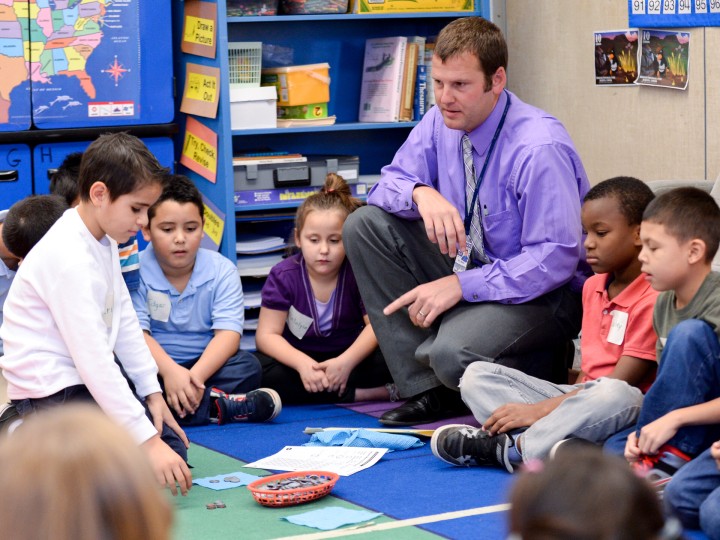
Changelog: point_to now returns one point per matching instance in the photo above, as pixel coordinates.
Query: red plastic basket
(289, 497)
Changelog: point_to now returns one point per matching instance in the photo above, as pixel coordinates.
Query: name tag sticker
(107, 314)
(158, 305)
(617, 327)
(298, 323)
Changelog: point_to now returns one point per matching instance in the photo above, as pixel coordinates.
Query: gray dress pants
(391, 256)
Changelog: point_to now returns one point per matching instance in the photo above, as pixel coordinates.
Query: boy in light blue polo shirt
(8, 265)
(190, 306)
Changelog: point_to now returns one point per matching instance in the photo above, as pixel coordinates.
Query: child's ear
(99, 193)
(696, 251)
(636, 236)
(296, 236)
(146, 232)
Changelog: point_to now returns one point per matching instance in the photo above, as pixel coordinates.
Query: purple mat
(377, 408)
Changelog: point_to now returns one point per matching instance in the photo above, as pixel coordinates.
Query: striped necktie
(476, 231)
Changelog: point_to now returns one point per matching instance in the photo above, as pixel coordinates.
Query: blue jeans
(693, 495)
(240, 374)
(688, 374)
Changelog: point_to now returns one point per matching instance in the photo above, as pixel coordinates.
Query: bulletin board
(673, 13)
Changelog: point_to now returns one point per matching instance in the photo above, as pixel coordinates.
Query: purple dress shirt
(530, 196)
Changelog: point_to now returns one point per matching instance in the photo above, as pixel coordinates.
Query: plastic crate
(244, 63)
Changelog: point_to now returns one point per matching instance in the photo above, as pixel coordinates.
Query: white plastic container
(253, 108)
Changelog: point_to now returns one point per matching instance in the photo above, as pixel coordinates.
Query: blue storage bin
(15, 174)
(48, 157)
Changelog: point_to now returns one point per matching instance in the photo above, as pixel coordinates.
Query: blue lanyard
(478, 183)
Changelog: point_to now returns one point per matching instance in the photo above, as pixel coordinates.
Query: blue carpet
(405, 484)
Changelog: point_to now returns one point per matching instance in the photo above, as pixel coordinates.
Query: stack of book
(394, 80)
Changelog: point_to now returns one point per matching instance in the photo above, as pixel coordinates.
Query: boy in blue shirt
(190, 306)
(8, 265)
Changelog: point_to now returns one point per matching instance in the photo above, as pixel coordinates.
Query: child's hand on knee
(183, 390)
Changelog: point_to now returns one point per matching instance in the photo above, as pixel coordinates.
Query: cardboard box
(313, 110)
(402, 6)
(253, 108)
(299, 85)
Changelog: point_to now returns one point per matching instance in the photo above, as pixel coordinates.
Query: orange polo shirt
(618, 327)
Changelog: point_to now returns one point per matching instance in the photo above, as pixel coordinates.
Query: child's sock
(515, 452)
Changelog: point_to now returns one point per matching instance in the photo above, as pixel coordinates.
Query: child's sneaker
(259, 405)
(463, 445)
(565, 448)
(8, 413)
(659, 469)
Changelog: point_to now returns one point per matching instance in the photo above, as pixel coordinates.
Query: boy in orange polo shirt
(524, 417)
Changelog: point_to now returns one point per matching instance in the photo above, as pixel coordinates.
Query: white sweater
(66, 313)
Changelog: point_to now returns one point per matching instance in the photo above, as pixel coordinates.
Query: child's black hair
(178, 188)
(631, 194)
(64, 181)
(688, 213)
(28, 220)
(120, 161)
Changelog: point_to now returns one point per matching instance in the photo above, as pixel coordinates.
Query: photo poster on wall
(616, 57)
(663, 58)
(673, 13)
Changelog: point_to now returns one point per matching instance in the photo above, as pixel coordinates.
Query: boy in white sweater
(69, 313)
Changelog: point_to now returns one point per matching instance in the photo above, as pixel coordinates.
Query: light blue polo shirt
(183, 324)
(6, 277)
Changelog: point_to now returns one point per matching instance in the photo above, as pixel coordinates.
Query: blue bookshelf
(336, 39)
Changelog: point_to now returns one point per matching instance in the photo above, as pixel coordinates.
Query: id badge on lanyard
(462, 259)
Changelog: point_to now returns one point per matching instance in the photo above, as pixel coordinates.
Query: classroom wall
(651, 133)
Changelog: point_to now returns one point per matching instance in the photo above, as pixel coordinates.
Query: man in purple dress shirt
(515, 298)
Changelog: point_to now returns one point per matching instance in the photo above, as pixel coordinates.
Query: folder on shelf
(305, 122)
(252, 297)
(247, 343)
(257, 265)
(250, 324)
(252, 244)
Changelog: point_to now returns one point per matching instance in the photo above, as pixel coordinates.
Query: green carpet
(244, 518)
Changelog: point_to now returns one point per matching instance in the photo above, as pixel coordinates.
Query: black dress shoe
(430, 406)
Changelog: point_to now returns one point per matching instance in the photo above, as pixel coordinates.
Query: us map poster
(82, 63)
(84, 60)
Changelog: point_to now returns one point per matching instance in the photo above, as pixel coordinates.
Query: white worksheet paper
(342, 460)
